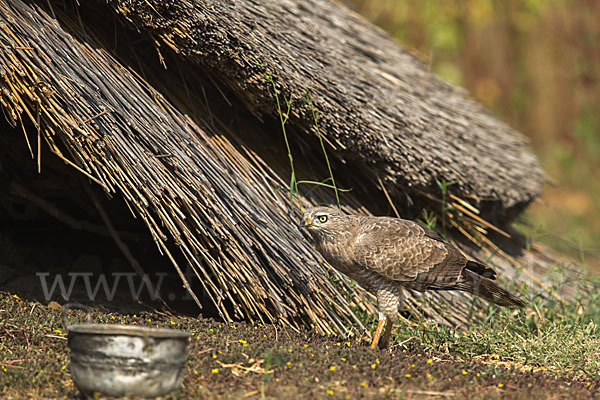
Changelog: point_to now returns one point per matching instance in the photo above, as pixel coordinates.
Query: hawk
(385, 255)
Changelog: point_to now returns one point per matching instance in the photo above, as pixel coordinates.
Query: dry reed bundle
(217, 205)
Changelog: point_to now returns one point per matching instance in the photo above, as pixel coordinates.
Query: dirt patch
(253, 361)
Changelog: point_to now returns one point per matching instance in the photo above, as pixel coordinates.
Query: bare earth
(244, 360)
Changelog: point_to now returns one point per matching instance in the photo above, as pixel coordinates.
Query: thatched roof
(201, 171)
(380, 106)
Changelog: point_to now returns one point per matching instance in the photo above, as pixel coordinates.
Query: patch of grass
(283, 119)
(316, 123)
(284, 116)
(443, 185)
(548, 335)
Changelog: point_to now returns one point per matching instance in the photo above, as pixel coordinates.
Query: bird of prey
(385, 255)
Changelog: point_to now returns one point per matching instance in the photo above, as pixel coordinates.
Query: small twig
(204, 351)
(431, 393)
(17, 360)
(56, 337)
(480, 220)
(39, 138)
(316, 121)
(85, 121)
(464, 203)
(404, 342)
(387, 196)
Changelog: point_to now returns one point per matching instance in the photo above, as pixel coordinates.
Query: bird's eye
(322, 218)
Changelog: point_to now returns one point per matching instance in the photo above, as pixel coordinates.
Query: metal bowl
(119, 360)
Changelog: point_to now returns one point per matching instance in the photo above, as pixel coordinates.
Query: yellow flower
(363, 384)
(15, 296)
(198, 337)
(332, 368)
(212, 330)
(343, 359)
(3, 368)
(430, 361)
(214, 356)
(330, 392)
(354, 366)
(195, 372)
(377, 360)
(373, 366)
(288, 363)
(305, 346)
(500, 385)
(418, 355)
(478, 374)
(404, 351)
(242, 341)
(464, 372)
(412, 365)
(312, 355)
(348, 344)
(57, 331)
(429, 376)
(172, 323)
(63, 367)
(407, 375)
(589, 383)
(215, 371)
(289, 350)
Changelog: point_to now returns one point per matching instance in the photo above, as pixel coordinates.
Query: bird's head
(321, 221)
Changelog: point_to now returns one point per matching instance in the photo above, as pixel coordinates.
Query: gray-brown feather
(487, 289)
(405, 251)
(383, 253)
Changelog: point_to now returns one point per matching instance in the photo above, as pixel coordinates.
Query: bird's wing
(403, 250)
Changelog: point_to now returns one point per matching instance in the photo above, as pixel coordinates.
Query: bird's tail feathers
(487, 289)
(481, 269)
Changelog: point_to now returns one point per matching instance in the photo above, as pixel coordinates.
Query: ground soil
(228, 360)
(245, 360)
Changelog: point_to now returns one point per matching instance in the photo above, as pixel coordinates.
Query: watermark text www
(95, 283)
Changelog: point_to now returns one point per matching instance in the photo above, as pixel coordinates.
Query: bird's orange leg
(386, 335)
(378, 331)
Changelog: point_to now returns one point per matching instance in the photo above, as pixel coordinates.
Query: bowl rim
(127, 330)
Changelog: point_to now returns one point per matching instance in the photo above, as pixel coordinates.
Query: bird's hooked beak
(306, 222)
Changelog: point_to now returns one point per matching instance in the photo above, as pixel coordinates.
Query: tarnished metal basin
(119, 360)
